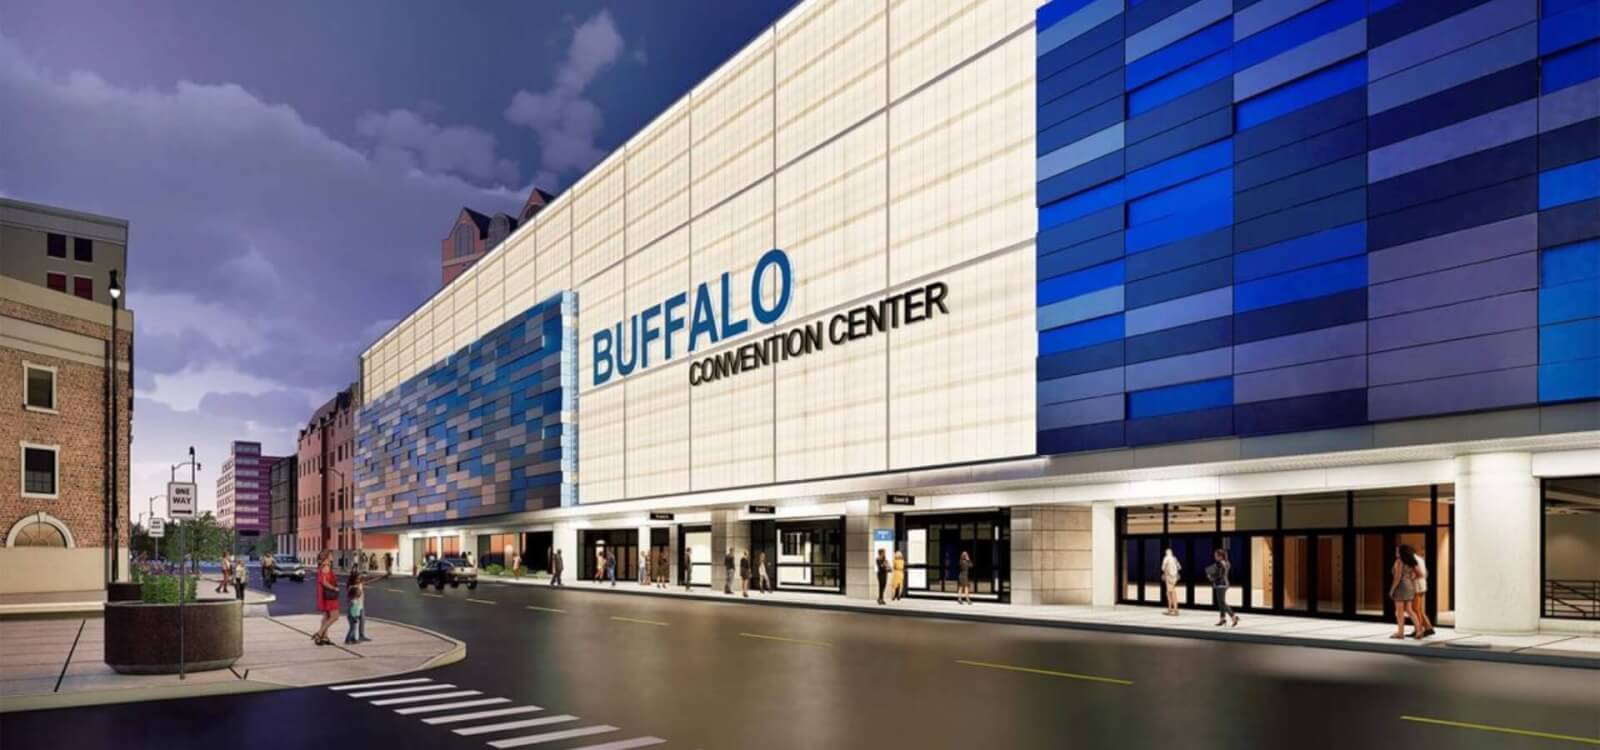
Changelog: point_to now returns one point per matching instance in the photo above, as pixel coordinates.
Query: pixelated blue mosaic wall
(489, 430)
(1267, 216)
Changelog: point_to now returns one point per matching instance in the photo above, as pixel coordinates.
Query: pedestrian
(388, 562)
(1403, 590)
(269, 571)
(1420, 604)
(964, 580)
(744, 573)
(599, 564)
(241, 576)
(556, 566)
(663, 569)
(611, 568)
(356, 591)
(227, 570)
(688, 569)
(327, 597)
(727, 570)
(883, 574)
(1217, 573)
(644, 567)
(1169, 581)
(761, 572)
(898, 580)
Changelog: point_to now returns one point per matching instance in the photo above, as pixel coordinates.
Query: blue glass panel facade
(489, 430)
(1313, 215)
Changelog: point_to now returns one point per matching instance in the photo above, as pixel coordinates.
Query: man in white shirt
(1169, 580)
(1426, 625)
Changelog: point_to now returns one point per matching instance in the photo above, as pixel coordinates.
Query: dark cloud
(272, 409)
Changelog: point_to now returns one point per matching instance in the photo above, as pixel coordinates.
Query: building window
(39, 530)
(56, 245)
(82, 250)
(83, 286)
(56, 281)
(1571, 555)
(39, 387)
(463, 241)
(40, 467)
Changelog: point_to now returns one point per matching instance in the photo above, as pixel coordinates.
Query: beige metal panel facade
(882, 146)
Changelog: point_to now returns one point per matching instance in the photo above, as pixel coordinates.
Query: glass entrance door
(933, 545)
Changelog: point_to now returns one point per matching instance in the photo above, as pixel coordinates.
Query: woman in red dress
(327, 597)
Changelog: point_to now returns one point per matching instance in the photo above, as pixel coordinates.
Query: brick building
(285, 493)
(474, 234)
(53, 403)
(326, 481)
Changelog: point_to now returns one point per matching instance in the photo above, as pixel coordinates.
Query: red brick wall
(79, 428)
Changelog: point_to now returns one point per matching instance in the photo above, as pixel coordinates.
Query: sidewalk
(278, 653)
(1548, 649)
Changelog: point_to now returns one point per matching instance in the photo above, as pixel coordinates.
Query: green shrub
(494, 570)
(163, 589)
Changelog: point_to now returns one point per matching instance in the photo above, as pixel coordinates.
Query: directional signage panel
(180, 499)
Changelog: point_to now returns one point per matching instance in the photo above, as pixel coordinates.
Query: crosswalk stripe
(624, 744)
(360, 685)
(397, 691)
(450, 706)
(482, 715)
(429, 697)
(523, 724)
(534, 739)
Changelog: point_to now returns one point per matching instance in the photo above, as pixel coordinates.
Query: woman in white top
(1421, 609)
(1169, 580)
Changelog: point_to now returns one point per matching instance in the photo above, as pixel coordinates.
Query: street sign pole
(181, 501)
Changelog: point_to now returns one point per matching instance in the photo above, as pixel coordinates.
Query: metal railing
(1575, 599)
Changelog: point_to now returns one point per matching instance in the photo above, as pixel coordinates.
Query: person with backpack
(1217, 573)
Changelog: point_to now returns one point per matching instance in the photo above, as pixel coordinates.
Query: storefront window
(1142, 520)
(1192, 517)
(1250, 514)
(1394, 506)
(1326, 510)
(1572, 547)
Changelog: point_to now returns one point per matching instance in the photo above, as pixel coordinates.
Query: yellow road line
(785, 640)
(1046, 672)
(1502, 730)
(545, 609)
(641, 622)
(479, 601)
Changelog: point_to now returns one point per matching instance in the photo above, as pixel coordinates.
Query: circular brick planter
(143, 638)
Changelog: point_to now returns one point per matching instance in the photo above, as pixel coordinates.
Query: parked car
(452, 570)
(288, 566)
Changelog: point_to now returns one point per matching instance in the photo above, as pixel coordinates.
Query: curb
(48, 701)
(1438, 651)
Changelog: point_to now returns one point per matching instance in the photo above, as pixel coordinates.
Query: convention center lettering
(710, 320)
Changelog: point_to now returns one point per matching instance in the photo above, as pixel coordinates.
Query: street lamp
(113, 441)
(339, 498)
(183, 579)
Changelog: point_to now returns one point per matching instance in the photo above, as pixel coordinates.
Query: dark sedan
(452, 570)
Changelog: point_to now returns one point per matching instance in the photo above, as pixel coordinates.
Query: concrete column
(1497, 534)
(1050, 555)
(1103, 553)
(727, 531)
(564, 537)
(861, 574)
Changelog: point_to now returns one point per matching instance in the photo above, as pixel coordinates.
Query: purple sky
(288, 168)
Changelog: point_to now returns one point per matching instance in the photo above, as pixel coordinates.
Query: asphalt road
(723, 675)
